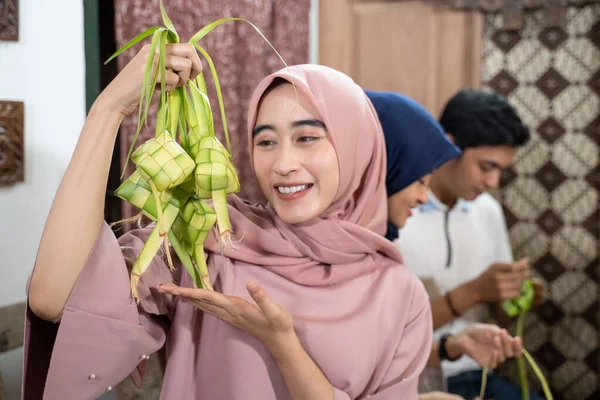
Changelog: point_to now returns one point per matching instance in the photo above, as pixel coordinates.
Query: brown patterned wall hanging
(551, 195)
(11, 142)
(496, 5)
(242, 58)
(513, 10)
(9, 20)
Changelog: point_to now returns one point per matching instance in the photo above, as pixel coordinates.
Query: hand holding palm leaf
(184, 164)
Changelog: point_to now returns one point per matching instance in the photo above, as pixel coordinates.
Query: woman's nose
(423, 195)
(287, 161)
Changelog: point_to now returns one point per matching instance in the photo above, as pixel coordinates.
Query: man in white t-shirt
(459, 238)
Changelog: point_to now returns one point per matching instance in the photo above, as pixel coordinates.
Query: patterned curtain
(551, 194)
(242, 58)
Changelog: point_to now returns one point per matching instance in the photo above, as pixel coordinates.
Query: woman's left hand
(487, 344)
(265, 320)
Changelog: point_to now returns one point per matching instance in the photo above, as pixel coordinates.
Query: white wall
(46, 70)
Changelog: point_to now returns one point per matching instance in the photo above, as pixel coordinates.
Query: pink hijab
(347, 240)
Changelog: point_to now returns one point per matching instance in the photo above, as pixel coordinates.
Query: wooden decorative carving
(12, 165)
(12, 320)
(9, 20)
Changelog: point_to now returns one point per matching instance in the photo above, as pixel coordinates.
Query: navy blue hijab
(415, 143)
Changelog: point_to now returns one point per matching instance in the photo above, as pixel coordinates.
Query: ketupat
(191, 227)
(183, 165)
(521, 304)
(215, 175)
(518, 307)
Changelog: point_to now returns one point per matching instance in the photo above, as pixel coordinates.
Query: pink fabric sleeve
(102, 334)
(340, 395)
(402, 378)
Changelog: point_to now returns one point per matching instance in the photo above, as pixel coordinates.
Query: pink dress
(370, 336)
(360, 315)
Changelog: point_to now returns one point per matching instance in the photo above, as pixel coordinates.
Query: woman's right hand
(122, 95)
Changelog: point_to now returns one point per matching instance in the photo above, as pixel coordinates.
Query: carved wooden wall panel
(11, 142)
(9, 20)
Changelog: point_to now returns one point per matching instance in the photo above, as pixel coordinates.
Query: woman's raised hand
(123, 93)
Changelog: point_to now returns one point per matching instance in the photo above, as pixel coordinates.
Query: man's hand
(538, 286)
(501, 281)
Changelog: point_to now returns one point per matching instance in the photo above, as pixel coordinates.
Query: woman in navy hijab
(416, 145)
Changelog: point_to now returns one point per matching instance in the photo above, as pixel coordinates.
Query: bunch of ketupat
(518, 307)
(183, 165)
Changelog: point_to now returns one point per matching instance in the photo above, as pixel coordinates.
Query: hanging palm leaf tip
(184, 164)
(518, 307)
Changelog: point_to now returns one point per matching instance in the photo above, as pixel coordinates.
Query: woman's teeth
(291, 189)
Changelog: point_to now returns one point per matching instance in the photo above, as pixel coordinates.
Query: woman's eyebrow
(309, 122)
(302, 122)
(259, 128)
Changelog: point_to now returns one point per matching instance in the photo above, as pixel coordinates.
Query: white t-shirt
(453, 247)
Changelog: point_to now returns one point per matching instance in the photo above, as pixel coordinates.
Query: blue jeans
(468, 385)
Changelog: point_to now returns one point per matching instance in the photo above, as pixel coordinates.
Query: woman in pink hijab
(313, 302)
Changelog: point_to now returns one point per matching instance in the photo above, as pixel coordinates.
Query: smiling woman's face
(295, 163)
(401, 203)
